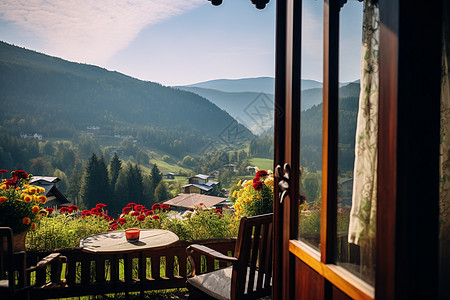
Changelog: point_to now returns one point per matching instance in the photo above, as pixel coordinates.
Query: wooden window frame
(404, 43)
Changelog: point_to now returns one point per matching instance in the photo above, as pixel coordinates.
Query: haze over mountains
(239, 96)
(58, 98)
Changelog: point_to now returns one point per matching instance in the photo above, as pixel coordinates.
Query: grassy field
(262, 163)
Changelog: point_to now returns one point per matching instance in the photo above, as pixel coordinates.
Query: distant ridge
(257, 85)
(58, 98)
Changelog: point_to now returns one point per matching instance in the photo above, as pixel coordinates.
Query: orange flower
(33, 226)
(35, 209)
(27, 198)
(26, 221)
(42, 199)
(3, 199)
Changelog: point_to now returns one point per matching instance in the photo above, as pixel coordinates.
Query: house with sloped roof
(183, 202)
(199, 184)
(54, 196)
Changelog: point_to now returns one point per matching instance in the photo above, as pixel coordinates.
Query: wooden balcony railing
(94, 274)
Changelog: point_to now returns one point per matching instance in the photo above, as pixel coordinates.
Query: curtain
(444, 187)
(364, 196)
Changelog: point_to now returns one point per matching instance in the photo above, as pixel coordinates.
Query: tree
(64, 183)
(95, 187)
(129, 188)
(73, 190)
(155, 176)
(310, 187)
(114, 168)
(161, 193)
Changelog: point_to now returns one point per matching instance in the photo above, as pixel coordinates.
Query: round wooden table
(115, 241)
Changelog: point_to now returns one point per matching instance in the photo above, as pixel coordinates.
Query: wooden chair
(14, 281)
(250, 273)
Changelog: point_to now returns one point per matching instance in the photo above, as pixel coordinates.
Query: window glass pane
(311, 122)
(357, 130)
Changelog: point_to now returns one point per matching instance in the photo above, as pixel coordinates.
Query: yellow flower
(3, 199)
(257, 196)
(234, 194)
(32, 190)
(26, 221)
(27, 198)
(269, 182)
(239, 183)
(33, 226)
(42, 199)
(35, 209)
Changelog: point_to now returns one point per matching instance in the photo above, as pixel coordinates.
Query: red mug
(132, 235)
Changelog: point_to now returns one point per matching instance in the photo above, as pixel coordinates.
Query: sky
(174, 42)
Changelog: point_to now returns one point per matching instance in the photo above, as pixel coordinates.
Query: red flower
(155, 217)
(221, 216)
(261, 173)
(139, 207)
(63, 210)
(218, 211)
(141, 218)
(126, 210)
(96, 210)
(3, 171)
(11, 182)
(302, 199)
(73, 207)
(149, 212)
(165, 206)
(201, 204)
(100, 205)
(156, 206)
(20, 174)
(122, 221)
(131, 205)
(257, 185)
(114, 226)
(135, 213)
(50, 210)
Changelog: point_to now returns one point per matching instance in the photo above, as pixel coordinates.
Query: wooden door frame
(407, 250)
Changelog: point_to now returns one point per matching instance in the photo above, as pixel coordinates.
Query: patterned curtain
(444, 188)
(364, 198)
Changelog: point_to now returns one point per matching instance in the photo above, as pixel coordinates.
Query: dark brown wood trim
(337, 276)
(330, 130)
(279, 141)
(408, 168)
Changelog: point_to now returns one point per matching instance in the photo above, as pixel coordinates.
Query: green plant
(20, 202)
(255, 196)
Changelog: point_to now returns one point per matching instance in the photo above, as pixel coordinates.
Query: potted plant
(20, 205)
(254, 197)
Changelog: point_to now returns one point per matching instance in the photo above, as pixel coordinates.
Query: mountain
(58, 98)
(258, 85)
(239, 104)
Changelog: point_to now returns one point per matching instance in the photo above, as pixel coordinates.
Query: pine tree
(155, 176)
(161, 193)
(89, 191)
(114, 168)
(95, 188)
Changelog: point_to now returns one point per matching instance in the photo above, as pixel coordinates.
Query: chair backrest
(252, 273)
(6, 260)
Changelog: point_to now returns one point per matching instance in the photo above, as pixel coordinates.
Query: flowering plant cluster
(137, 215)
(254, 197)
(20, 203)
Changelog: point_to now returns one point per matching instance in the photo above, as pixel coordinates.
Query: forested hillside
(57, 98)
